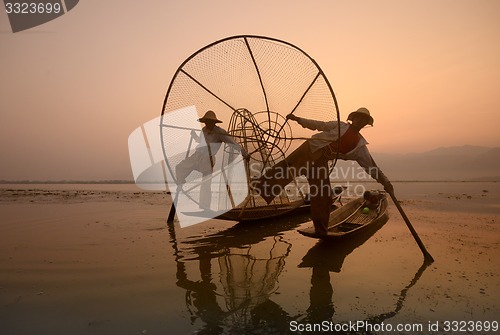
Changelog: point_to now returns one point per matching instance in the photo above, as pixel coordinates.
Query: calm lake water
(116, 267)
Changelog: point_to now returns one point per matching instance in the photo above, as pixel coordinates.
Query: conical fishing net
(268, 79)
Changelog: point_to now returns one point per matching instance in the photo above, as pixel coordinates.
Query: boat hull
(351, 220)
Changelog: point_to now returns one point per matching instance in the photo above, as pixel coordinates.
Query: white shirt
(215, 138)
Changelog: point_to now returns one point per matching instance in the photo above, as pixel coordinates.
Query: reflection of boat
(325, 257)
(338, 251)
(248, 233)
(234, 293)
(230, 277)
(354, 217)
(237, 277)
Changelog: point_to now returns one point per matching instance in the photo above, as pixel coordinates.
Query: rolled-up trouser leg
(321, 195)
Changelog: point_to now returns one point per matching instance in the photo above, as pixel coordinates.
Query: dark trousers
(302, 162)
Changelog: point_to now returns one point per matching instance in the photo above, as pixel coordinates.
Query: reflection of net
(259, 74)
(249, 276)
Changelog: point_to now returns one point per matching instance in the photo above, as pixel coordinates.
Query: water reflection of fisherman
(203, 159)
(312, 158)
(261, 313)
(203, 296)
(247, 278)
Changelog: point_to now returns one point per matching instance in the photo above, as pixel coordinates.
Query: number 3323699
(32, 8)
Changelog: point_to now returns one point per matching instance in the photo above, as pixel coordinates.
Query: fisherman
(203, 159)
(311, 159)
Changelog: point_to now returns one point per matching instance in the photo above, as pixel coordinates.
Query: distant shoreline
(126, 182)
(67, 182)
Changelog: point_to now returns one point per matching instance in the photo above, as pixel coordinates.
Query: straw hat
(209, 116)
(362, 111)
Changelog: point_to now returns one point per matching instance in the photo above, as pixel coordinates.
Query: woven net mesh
(265, 77)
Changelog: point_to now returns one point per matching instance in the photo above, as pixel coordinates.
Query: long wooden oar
(171, 214)
(427, 256)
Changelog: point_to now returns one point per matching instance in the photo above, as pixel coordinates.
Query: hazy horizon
(73, 89)
(419, 167)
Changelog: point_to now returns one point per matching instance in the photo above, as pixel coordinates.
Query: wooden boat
(354, 218)
(272, 211)
(264, 212)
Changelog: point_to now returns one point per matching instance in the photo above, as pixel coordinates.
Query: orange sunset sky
(73, 89)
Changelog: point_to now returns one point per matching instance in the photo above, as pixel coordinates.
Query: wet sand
(101, 259)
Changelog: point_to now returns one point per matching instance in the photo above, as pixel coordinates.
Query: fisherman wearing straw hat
(311, 159)
(203, 159)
